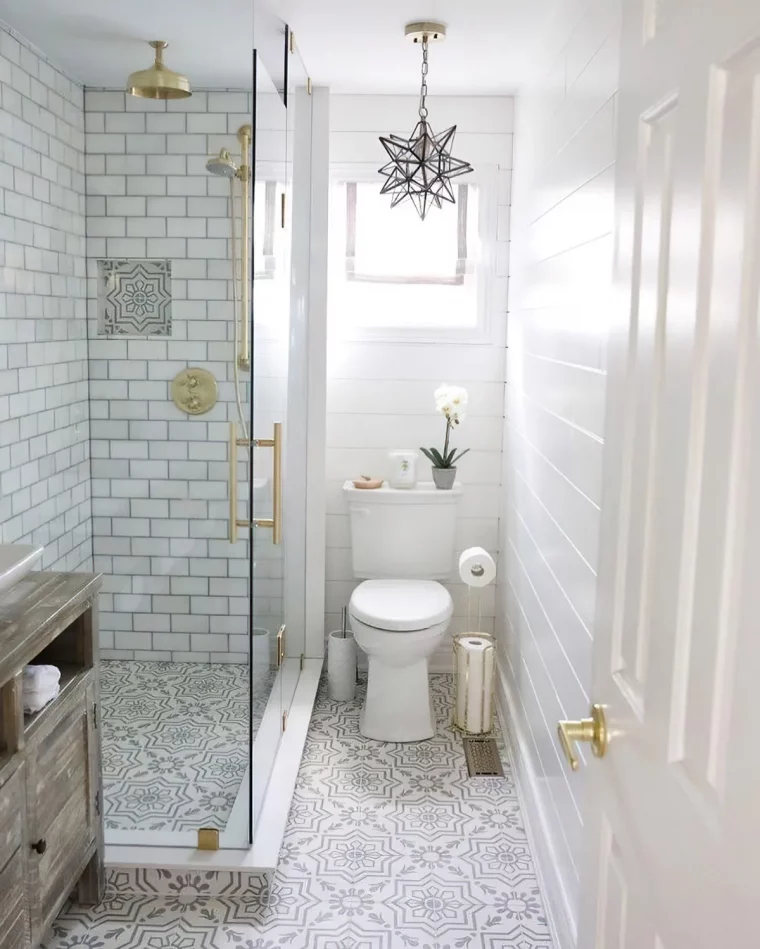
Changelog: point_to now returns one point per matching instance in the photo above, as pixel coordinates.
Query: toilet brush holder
(341, 666)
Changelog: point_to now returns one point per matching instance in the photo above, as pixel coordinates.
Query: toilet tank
(402, 532)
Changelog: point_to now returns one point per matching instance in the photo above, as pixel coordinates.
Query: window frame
(484, 330)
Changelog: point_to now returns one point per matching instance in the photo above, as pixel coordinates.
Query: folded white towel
(38, 676)
(36, 699)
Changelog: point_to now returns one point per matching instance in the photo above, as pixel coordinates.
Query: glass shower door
(201, 630)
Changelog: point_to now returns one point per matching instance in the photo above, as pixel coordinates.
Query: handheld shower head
(222, 165)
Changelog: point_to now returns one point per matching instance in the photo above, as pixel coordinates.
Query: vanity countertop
(34, 611)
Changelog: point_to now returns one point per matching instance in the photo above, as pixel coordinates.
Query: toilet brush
(341, 662)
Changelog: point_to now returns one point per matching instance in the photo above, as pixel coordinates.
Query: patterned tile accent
(175, 742)
(388, 847)
(134, 298)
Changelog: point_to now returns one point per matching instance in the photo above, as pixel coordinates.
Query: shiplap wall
(560, 278)
(380, 394)
(44, 412)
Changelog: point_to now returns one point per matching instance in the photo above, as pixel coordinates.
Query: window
(392, 274)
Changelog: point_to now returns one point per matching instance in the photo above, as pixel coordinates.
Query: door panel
(672, 827)
(58, 804)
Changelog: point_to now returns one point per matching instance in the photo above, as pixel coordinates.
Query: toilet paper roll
(474, 669)
(476, 567)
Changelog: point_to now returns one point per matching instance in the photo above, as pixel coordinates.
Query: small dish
(368, 483)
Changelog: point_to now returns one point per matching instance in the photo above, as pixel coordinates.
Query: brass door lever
(592, 730)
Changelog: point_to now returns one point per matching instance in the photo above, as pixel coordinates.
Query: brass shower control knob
(195, 390)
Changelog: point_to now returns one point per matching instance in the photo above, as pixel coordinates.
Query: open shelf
(71, 675)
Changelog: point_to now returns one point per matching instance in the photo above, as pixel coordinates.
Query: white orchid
(451, 402)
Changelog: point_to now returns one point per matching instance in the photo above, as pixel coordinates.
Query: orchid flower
(451, 402)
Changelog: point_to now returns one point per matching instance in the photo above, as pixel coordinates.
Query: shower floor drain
(482, 757)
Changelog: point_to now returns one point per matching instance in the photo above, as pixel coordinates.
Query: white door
(673, 819)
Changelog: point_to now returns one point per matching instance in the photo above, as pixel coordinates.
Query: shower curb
(184, 885)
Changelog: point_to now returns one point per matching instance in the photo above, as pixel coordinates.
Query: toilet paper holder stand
(484, 705)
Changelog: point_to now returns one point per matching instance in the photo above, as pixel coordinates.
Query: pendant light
(158, 82)
(421, 167)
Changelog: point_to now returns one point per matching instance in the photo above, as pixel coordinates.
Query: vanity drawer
(58, 802)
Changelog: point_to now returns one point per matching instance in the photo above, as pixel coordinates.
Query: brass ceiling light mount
(158, 82)
(422, 30)
(422, 167)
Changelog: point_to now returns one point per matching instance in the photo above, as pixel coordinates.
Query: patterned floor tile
(388, 846)
(175, 742)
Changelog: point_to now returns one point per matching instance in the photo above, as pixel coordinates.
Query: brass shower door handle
(592, 730)
(275, 521)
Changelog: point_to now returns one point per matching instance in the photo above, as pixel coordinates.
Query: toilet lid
(401, 605)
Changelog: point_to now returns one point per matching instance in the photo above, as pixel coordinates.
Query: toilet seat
(401, 605)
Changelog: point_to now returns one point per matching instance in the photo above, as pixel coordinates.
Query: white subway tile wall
(380, 394)
(44, 417)
(174, 587)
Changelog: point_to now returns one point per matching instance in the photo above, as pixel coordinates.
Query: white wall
(380, 394)
(560, 275)
(44, 414)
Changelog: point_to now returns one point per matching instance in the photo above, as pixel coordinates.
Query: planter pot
(444, 478)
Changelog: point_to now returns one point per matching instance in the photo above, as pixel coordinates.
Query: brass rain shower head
(158, 82)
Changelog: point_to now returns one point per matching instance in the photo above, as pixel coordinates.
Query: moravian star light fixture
(421, 167)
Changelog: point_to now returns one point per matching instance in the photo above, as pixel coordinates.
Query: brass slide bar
(275, 443)
(244, 173)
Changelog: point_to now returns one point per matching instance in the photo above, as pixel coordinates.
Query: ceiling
(359, 46)
(350, 45)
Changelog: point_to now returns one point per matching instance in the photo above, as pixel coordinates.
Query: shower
(158, 82)
(224, 166)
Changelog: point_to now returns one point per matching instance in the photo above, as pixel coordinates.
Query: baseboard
(555, 897)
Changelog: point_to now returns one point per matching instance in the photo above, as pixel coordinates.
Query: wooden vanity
(51, 836)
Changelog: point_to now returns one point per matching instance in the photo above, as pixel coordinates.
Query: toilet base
(398, 706)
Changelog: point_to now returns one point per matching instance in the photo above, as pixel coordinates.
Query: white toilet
(402, 542)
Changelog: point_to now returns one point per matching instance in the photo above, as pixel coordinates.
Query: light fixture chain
(424, 88)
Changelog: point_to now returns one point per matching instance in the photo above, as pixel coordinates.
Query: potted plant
(451, 402)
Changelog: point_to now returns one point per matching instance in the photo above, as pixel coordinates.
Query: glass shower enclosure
(200, 648)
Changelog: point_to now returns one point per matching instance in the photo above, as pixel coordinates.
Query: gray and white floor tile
(175, 742)
(387, 847)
